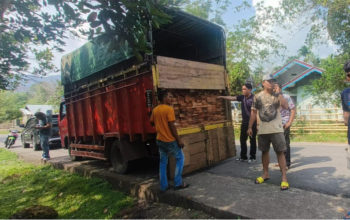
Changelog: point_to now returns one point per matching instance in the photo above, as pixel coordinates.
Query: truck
(109, 96)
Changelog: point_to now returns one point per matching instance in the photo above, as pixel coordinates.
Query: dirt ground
(144, 210)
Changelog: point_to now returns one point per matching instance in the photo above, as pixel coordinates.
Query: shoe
(251, 160)
(241, 159)
(166, 189)
(260, 180)
(284, 185)
(182, 186)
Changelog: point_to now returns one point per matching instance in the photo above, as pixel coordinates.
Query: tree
(205, 9)
(10, 105)
(328, 88)
(27, 24)
(330, 17)
(44, 93)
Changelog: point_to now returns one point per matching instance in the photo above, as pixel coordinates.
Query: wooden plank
(231, 146)
(193, 138)
(196, 148)
(90, 147)
(100, 156)
(184, 74)
(212, 149)
(201, 162)
(222, 145)
(169, 61)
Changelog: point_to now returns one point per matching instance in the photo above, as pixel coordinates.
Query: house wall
(305, 102)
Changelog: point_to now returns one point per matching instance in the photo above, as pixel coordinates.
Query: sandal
(284, 185)
(182, 186)
(260, 180)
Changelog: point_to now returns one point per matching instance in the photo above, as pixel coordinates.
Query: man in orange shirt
(168, 141)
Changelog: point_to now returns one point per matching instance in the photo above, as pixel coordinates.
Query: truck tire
(36, 146)
(119, 164)
(73, 158)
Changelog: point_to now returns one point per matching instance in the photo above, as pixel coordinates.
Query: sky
(292, 38)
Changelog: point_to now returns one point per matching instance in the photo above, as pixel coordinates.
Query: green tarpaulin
(89, 59)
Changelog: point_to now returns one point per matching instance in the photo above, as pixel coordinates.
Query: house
(29, 110)
(294, 77)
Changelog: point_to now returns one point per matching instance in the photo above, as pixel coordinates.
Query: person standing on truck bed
(168, 141)
(247, 100)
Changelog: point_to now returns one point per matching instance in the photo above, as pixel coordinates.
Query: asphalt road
(316, 167)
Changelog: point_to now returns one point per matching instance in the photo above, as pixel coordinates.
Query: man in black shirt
(247, 100)
(44, 127)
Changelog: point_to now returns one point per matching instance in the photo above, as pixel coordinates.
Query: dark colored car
(31, 136)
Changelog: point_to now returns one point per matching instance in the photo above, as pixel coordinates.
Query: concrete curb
(143, 189)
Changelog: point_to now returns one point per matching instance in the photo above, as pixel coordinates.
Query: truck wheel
(119, 164)
(73, 158)
(36, 146)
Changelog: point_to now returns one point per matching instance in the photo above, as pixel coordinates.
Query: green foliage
(328, 88)
(48, 93)
(10, 105)
(24, 26)
(72, 196)
(44, 59)
(45, 93)
(238, 73)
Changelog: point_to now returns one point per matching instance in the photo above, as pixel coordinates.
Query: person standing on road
(246, 100)
(270, 130)
(287, 120)
(168, 141)
(44, 127)
(345, 99)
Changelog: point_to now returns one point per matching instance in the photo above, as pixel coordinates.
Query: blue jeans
(166, 149)
(44, 143)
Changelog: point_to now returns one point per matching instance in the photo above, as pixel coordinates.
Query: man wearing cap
(267, 105)
(247, 100)
(287, 120)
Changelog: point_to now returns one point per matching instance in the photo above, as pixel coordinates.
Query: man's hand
(287, 125)
(250, 132)
(181, 144)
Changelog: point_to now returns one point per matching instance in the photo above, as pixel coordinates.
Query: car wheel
(36, 146)
(25, 145)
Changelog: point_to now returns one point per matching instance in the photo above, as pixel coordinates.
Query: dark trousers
(243, 140)
(287, 153)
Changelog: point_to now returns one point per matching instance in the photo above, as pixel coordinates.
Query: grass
(71, 195)
(325, 137)
(320, 137)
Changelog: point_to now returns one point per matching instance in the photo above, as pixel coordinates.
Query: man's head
(268, 82)
(347, 70)
(164, 96)
(247, 89)
(40, 115)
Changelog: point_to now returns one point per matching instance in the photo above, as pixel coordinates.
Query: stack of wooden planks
(197, 107)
